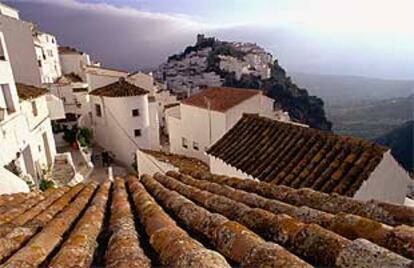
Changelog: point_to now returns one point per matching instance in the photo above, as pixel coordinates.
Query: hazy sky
(357, 37)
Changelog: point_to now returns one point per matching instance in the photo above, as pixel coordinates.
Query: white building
(295, 156)
(97, 77)
(21, 50)
(47, 56)
(9, 11)
(74, 94)
(26, 138)
(124, 119)
(202, 119)
(75, 61)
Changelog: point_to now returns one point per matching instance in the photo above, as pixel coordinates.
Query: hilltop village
(214, 159)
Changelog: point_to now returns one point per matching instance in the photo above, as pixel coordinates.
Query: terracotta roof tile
(296, 156)
(198, 219)
(221, 98)
(28, 92)
(121, 88)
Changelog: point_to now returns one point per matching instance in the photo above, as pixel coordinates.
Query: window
(98, 110)
(195, 146)
(34, 108)
(63, 99)
(39, 63)
(53, 40)
(8, 99)
(137, 132)
(184, 142)
(135, 112)
(2, 51)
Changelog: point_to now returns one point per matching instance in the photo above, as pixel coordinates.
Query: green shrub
(85, 137)
(46, 184)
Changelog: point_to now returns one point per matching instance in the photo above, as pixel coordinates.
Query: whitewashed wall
(9, 11)
(257, 104)
(49, 56)
(75, 63)
(98, 77)
(194, 126)
(388, 182)
(115, 129)
(10, 183)
(19, 42)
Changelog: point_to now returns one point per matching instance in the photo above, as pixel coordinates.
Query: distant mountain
(345, 90)
(400, 140)
(211, 62)
(370, 119)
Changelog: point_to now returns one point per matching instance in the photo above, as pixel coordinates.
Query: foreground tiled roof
(221, 98)
(120, 88)
(178, 220)
(28, 92)
(296, 156)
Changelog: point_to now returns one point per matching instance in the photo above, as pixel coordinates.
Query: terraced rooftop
(198, 219)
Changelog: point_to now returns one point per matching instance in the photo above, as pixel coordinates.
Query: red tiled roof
(28, 92)
(120, 88)
(221, 98)
(296, 156)
(198, 219)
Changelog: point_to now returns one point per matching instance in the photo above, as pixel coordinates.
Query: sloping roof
(296, 156)
(69, 50)
(177, 220)
(28, 92)
(221, 98)
(120, 88)
(69, 78)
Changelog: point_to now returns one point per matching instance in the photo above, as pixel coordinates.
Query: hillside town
(178, 168)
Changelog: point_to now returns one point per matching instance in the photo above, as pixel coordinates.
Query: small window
(34, 108)
(53, 40)
(196, 146)
(98, 110)
(184, 142)
(63, 99)
(137, 132)
(39, 63)
(135, 112)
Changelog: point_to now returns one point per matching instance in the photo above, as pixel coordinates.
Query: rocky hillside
(211, 62)
(400, 140)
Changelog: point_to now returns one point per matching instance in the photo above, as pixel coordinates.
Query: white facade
(195, 129)
(388, 182)
(9, 11)
(74, 96)
(74, 62)
(118, 131)
(25, 130)
(47, 56)
(22, 55)
(97, 77)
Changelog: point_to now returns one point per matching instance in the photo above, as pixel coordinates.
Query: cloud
(128, 38)
(118, 36)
